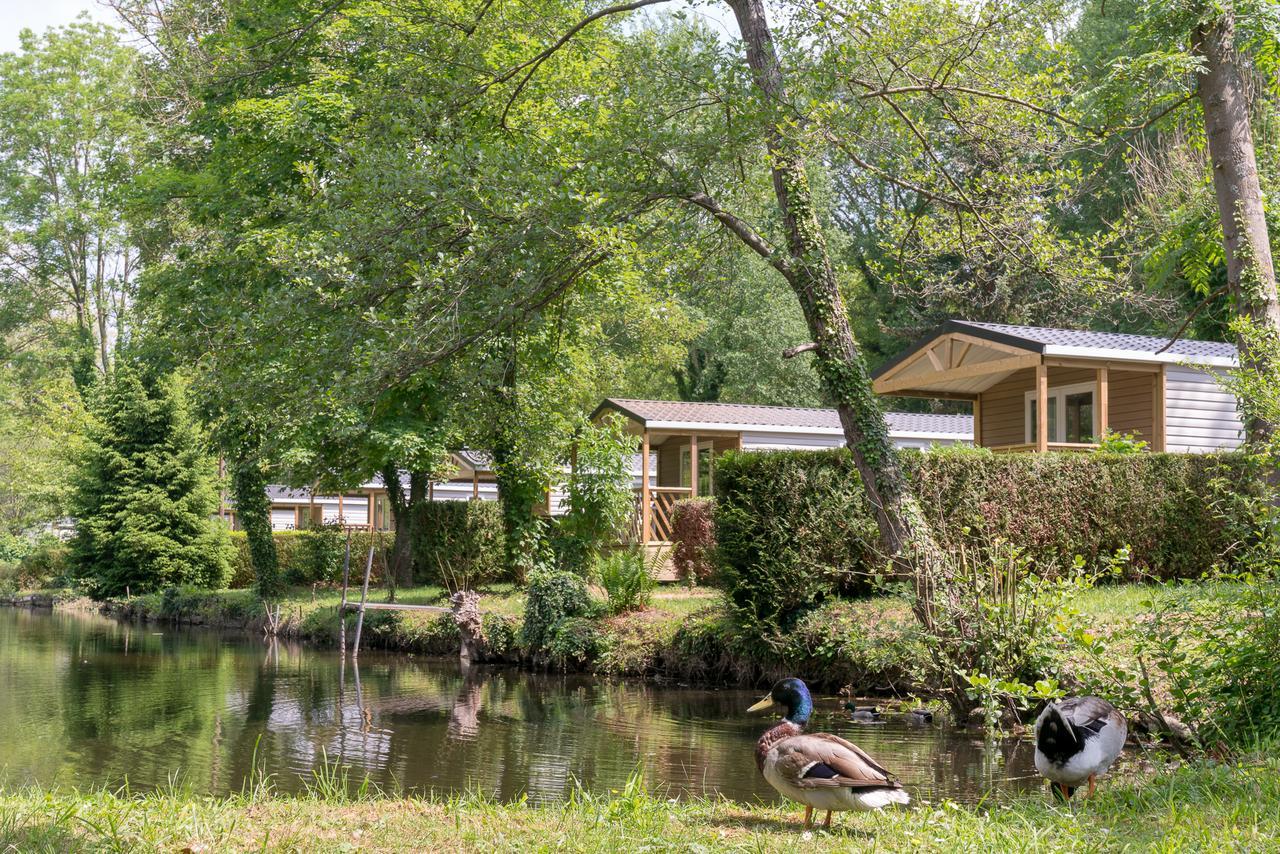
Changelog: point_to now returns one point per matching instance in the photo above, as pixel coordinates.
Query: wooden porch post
(475, 484)
(342, 514)
(369, 518)
(977, 421)
(644, 488)
(693, 466)
(1104, 403)
(1158, 442)
(1042, 407)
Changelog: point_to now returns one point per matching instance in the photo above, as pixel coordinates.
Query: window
(1072, 415)
(706, 469)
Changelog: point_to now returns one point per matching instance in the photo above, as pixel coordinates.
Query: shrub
(574, 642)
(599, 493)
(627, 579)
(320, 554)
(459, 543)
(791, 530)
(694, 533)
(553, 596)
(1121, 443)
(793, 527)
(47, 561)
(297, 562)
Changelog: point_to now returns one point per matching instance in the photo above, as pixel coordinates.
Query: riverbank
(864, 647)
(1205, 806)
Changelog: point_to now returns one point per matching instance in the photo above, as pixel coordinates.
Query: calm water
(87, 701)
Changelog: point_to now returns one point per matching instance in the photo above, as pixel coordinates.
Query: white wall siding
(282, 519)
(1200, 415)
(790, 441)
(811, 441)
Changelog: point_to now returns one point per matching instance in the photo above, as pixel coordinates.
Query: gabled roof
(684, 415)
(1081, 344)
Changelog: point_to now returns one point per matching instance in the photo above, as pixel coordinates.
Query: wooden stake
(342, 609)
(1042, 408)
(364, 594)
(645, 511)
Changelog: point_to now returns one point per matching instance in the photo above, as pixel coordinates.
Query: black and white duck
(1076, 742)
(820, 770)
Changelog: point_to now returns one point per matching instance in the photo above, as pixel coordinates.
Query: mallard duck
(1076, 742)
(820, 770)
(865, 714)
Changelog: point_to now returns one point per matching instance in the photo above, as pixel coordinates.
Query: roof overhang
(954, 363)
(961, 360)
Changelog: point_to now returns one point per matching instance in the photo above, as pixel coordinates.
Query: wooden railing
(662, 501)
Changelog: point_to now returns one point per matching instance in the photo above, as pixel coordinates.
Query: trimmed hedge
(465, 536)
(457, 541)
(297, 554)
(793, 527)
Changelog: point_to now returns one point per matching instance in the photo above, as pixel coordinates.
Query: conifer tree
(144, 493)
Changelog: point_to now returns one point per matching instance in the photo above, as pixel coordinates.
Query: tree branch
(744, 232)
(543, 56)
(1217, 292)
(792, 352)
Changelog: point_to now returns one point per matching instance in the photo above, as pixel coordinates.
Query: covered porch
(1025, 397)
(673, 466)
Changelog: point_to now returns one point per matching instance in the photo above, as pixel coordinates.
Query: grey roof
(1101, 340)
(799, 418)
(929, 422)
(1035, 339)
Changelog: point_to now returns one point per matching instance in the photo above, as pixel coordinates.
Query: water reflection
(88, 701)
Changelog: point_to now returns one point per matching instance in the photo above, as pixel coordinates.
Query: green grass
(1206, 807)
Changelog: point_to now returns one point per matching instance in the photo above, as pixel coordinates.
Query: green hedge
(464, 536)
(793, 527)
(303, 560)
(459, 542)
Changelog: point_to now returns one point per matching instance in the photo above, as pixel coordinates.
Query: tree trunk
(904, 534)
(253, 509)
(402, 513)
(1250, 271)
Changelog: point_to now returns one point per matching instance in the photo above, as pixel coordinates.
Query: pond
(86, 701)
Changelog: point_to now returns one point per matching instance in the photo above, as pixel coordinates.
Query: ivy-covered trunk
(403, 513)
(905, 536)
(519, 491)
(253, 509)
(904, 533)
(1250, 271)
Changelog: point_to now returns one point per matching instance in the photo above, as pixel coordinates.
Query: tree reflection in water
(92, 702)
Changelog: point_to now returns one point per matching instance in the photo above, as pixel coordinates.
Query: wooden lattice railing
(662, 501)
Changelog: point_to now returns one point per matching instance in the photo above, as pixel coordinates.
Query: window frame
(1060, 393)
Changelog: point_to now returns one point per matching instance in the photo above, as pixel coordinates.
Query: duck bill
(762, 705)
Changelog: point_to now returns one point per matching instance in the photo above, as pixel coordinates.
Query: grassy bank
(867, 645)
(1193, 808)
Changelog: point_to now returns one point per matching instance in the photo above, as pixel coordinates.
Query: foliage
(459, 543)
(574, 642)
(1213, 645)
(553, 597)
(144, 493)
(694, 533)
(599, 492)
(253, 510)
(782, 513)
(320, 556)
(791, 530)
(1121, 443)
(41, 418)
(69, 138)
(628, 579)
(995, 631)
